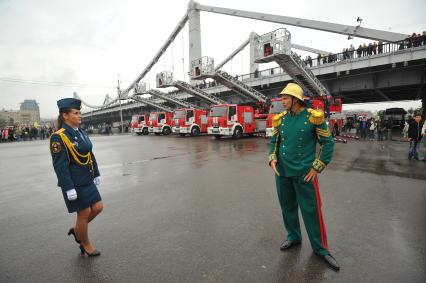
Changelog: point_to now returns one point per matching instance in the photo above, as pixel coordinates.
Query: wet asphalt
(205, 210)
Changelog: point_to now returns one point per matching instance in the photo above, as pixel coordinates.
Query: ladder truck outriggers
(275, 46)
(190, 119)
(227, 119)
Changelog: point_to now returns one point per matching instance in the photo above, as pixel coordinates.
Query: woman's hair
(60, 119)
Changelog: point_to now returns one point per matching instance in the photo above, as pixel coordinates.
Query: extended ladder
(151, 103)
(300, 73)
(276, 46)
(170, 98)
(198, 92)
(238, 86)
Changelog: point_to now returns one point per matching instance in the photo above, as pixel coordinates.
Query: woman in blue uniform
(77, 171)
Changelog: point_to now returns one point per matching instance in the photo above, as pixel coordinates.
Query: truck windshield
(179, 114)
(218, 111)
(276, 107)
(152, 116)
(141, 119)
(134, 118)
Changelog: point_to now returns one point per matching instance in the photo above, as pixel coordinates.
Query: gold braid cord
(81, 159)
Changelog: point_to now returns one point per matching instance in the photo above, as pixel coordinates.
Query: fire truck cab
(139, 124)
(189, 121)
(275, 108)
(234, 120)
(160, 123)
(333, 109)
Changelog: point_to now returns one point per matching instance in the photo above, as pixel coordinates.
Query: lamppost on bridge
(119, 100)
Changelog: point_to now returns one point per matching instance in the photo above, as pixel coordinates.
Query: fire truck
(189, 121)
(275, 108)
(227, 119)
(139, 124)
(160, 123)
(235, 120)
(275, 46)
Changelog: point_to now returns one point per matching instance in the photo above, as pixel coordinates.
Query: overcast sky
(83, 45)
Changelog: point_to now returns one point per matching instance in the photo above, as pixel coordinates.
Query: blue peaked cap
(70, 103)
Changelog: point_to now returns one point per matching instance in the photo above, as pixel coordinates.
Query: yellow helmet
(293, 90)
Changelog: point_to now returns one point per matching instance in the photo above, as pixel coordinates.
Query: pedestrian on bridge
(292, 157)
(77, 171)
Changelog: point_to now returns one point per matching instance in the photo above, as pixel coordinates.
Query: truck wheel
(145, 131)
(166, 131)
(238, 132)
(195, 131)
(139, 134)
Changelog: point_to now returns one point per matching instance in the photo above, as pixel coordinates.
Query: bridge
(395, 71)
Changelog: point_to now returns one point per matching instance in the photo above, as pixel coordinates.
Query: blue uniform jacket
(70, 174)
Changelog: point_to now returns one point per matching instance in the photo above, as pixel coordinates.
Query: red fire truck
(235, 120)
(189, 121)
(275, 108)
(333, 109)
(160, 123)
(139, 124)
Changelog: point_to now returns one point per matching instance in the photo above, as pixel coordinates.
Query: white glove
(97, 180)
(72, 194)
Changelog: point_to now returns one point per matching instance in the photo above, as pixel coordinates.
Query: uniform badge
(56, 147)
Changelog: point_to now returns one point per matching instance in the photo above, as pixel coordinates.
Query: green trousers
(294, 192)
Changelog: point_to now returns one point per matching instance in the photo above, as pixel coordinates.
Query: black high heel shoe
(94, 253)
(71, 232)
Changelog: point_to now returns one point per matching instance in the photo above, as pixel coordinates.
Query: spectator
(405, 129)
(359, 51)
(319, 59)
(414, 136)
(381, 130)
(374, 48)
(380, 47)
(389, 126)
(371, 129)
(363, 128)
(423, 39)
(364, 50)
(351, 52)
(309, 61)
(370, 49)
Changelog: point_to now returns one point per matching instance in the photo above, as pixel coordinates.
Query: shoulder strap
(317, 116)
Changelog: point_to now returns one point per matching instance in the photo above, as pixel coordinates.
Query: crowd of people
(373, 48)
(370, 128)
(25, 133)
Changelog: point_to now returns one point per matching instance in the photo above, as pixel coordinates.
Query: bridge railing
(343, 57)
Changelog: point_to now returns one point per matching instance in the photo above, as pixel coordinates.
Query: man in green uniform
(294, 159)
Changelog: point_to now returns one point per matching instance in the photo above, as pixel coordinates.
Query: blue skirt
(86, 196)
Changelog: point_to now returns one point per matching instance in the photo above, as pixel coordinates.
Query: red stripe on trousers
(321, 220)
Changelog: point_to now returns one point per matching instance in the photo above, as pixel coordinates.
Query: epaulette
(276, 120)
(61, 130)
(317, 116)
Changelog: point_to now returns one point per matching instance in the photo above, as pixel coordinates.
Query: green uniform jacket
(294, 142)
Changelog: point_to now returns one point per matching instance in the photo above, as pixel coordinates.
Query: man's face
(418, 118)
(287, 101)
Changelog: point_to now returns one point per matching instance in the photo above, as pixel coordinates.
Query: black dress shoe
(288, 244)
(331, 261)
(94, 253)
(71, 232)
